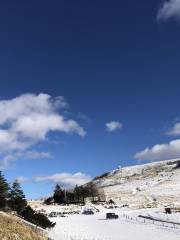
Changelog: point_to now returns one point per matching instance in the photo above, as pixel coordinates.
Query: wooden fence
(154, 221)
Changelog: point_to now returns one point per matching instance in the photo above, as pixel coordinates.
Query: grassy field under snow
(96, 227)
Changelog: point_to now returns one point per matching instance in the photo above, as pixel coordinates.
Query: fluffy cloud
(31, 155)
(160, 152)
(169, 9)
(113, 126)
(22, 179)
(6, 161)
(175, 131)
(65, 179)
(27, 119)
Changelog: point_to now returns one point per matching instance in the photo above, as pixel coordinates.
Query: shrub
(38, 219)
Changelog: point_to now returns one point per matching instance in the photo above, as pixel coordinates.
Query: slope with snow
(149, 185)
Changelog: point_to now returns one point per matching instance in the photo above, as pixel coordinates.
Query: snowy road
(80, 227)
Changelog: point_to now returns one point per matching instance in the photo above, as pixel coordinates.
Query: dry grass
(13, 229)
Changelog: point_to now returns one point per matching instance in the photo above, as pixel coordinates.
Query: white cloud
(22, 179)
(160, 151)
(65, 179)
(36, 126)
(6, 161)
(169, 9)
(113, 126)
(34, 154)
(175, 131)
(27, 119)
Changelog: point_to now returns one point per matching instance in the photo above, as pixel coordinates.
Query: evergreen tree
(59, 196)
(82, 192)
(4, 188)
(91, 190)
(17, 200)
(70, 197)
(77, 193)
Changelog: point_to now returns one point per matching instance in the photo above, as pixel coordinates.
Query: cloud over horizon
(113, 126)
(65, 179)
(26, 120)
(169, 9)
(175, 130)
(160, 152)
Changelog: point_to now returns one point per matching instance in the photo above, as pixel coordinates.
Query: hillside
(148, 185)
(11, 228)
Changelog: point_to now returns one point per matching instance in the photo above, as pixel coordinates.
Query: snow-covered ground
(174, 217)
(96, 227)
(76, 226)
(57, 208)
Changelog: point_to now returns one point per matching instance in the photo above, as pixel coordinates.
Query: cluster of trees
(76, 195)
(12, 198)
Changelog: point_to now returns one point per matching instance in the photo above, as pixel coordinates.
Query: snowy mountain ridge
(149, 185)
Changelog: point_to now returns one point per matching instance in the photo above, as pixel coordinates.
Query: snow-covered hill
(149, 185)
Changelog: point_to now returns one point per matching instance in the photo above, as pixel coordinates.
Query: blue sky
(85, 87)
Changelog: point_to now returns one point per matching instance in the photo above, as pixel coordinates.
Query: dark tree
(77, 193)
(41, 220)
(17, 200)
(92, 190)
(70, 197)
(48, 201)
(58, 196)
(38, 219)
(4, 192)
(83, 193)
(28, 214)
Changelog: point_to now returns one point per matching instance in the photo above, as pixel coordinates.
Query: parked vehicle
(88, 212)
(168, 210)
(111, 216)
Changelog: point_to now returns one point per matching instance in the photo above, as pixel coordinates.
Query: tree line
(76, 195)
(12, 198)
